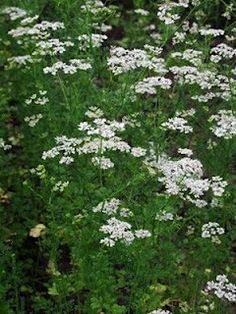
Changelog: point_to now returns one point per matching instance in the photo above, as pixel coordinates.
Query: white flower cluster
(123, 60)
(30, 33)
(20, 60)
(185, 151)
(103, 28)
(211, 32)
(37, 31)
(153, 50)
(190, 230)
(222, 51)
(116, 229)
(52, 47)
(3, 145)
(160, 312)
(39, 171)
(192, 28)
(178, 37)
(29, 20)
(142, 12)
(155, 36)
(212, 230)
(102, 162)
(72, 67)
(222, 288)
(206, 79)
(165, 13)
(218, 186)
(131, 120)
(65, 145)
(96, 7)
(91, 40)
(228, 12)
(179, 123)
(38, 98)
(211, 95)
(164, 216)
(184, 177)
(99, 137)
(225, 124)
(191, 75)
(149, 84)
(111, 208)
(33, 120)
(60, 186)
(39, 34)
(190, 55)
(14, 13)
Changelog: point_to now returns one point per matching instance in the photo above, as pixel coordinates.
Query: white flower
(37, 231)
(185, 151)
(3, 145)
(184, 177)
(212, 230)
(148, 85)
(98, 137)
(91, 40)
(14, 13)
(228, 12)
(222, 288)
(225, 125)
(102, 27)
(108, 207)
(222, 51)
(211, 32)
(125, 212)
(108, 242)
(118, 230)
(20, 60)
(96, 7)
(60, 186)
(178, 124)
(33, 120)
(37, 31)
(142, 234)
(179, 37)
(71, 68)
(218, 186)
(103, 162)
(29, 20)
(160, 312)
(205, 79)
(165, 13)
(142, 12)
(190, 55)
(94, 112)
(123, 60)
(66, 160)
(164, 216)
(52, 47)
(38, 98)
(138, 151)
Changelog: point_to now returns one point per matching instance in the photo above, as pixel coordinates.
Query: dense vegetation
(117, 156)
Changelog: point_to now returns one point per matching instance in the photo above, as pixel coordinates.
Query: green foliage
(63, 267)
